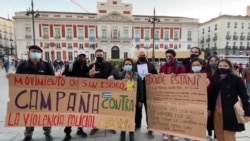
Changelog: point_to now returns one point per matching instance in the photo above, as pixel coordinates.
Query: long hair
(209, 69)
(231, 67)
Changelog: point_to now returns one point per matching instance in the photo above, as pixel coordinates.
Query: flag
(106, 95)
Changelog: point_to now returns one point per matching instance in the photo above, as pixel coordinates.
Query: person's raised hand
(92, 71)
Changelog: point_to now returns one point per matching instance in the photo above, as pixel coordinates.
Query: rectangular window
(70, 56)
(46, 45)
(45, 32)
(46, 55)
(58, 55)
(80, 46)
(91, 32)
(166, 46)
(166, 34)
(189, 36)
(137, 34)
(57, 33)
(176, 35)
(115, 33)
(58, 45)
(157, 35)
(69, 33)
(104, 33)
(70, 45)
(147, 36)
(125, 55)
(28, 32)
(80, 34)
(125, 33)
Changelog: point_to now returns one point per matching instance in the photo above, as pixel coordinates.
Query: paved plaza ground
(16, 134)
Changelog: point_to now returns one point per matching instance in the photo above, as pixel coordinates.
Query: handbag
(239, 112)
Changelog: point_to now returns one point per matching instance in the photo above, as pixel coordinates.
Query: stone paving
(16, 134)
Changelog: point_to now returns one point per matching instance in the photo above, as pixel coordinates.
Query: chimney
(248, 10)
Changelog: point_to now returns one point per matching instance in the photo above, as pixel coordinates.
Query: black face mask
(223, 71)
(192, 56)
(99, 59)
(142, 59)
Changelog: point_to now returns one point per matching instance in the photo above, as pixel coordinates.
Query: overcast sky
(201, 9)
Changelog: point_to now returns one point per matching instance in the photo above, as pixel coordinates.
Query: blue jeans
(6, 66)
(248, 88)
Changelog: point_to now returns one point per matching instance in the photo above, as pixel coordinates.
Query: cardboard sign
(177, 105)
(38, 100)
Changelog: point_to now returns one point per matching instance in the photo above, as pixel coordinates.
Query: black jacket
(42, 68)
(230, 88)
(78, 70)
(105, 70)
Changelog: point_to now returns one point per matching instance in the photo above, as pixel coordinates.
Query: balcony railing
(228, 37)
(235, 37)
(45, 36)
(242, 47)
(69, 37)
(146, 39)
(189, 39)
(208, 40)
(166, 39)
(176, 39)
(28, 36)
(215, 38)
(80, 37)
(202, 40)
(248, 38)
(242, 38)
(57, 37)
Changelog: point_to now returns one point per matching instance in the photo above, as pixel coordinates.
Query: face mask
(224, 71)
(168, 60)
(196, 68)
(127, 67)
(192, 56)
(35, 55)
(213, 64)
(142, 59)
(99, 59)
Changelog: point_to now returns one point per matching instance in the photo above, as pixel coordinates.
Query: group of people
(224, 87)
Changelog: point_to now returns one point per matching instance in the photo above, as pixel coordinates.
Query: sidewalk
(16, 133)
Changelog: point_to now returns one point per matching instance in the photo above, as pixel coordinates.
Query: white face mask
(35, 55)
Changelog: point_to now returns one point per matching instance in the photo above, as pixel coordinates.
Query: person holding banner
(103, 70)
(129, 74)
(172, 66)
(196, 67)
(143, 68)
(78, 69)
(35, 65)
(228, 88)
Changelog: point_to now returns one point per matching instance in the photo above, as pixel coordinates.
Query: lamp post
(153, 20)
(34, 14)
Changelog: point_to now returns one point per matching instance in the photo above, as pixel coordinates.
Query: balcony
(11, 39)
(176, 39)
(69, 37)
(80, 37)
(166, 39)
(214, 48)
(157, 39)
(121, 40)
(208, 40)
(227, 47)
(202, 41)
(235, 37)
(189, 39)
(28, 36)
(228, 37)
(70, 47)
(242, 38)
(248, 38)
(45, 36)
(242, 48)
(146, 39)
(215, 38)
(57, 37)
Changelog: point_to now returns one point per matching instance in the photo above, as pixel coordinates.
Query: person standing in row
(129, 75)
(101, 69)
(228, 88)
(172, 66)
(78, 69)
(35, 66)
(143, 68)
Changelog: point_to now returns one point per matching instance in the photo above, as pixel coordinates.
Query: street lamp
(153, 20)
(34, 14)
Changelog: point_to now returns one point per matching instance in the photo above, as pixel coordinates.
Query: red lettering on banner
(73, 83)
(86, 121)
(185, 80)
(155, 80)
(113, 85)
(39, 81)
(15, 120)
(37, 119)
(89, 84)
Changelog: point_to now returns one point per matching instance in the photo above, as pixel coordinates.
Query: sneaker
(48, 138)
(165, 137)
(67, 138)
(27, 138)
(93, 131)
(112, 131)
(150, 134)
(175, 138)
(209, 138)
(81, 133)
